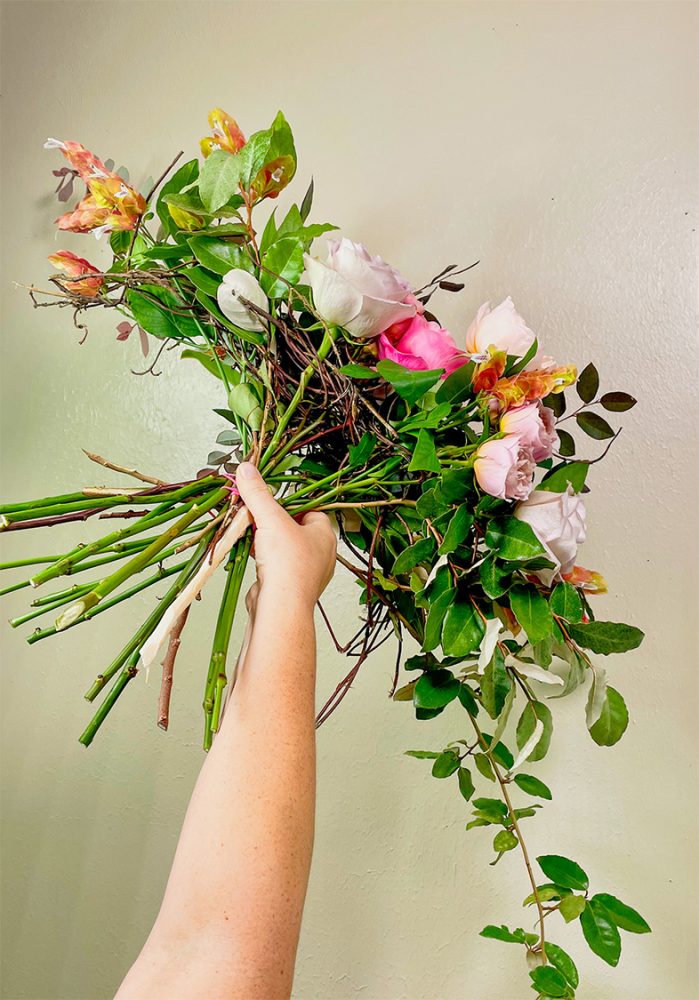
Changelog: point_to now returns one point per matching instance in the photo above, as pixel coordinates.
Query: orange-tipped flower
(77, 271)
(489, 372)
(587, 580)
(110, 204)
(226, 134)
(526, 387)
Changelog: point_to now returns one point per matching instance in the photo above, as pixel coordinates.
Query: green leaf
(220, 177)
(623, 916)
(555, 401)
(565, 603)
(151, 317)
(484, 766)
(435, 618)
(601, 932)
(187, 174)
(218, 256)
(564, 872)
(424, 454)
(307, 202)
(498, 751)
(588, 383)
(617, 402)
(454, 485)
(613, 720)
(353, 370)
(422, 754)
(467, 700)
(503, 933)
(594, 425)
(410, 385)
(546, 893)
(282, 266)
(413, 555)
(606, 637)
(513, 540)
(533, 786)
(493, 810)
(504, 841)
(566, 443)
(446, 764)
(435, 689)
(525, 727)
(495, 685)
(494, 578)
(532, 611)
(269, 233)
(562, 961)
(457, 531)
(463, 628)
(458, 386)
(559, 479)
(571, 907)
(202, 280)
(244, 401)
(204, 359)
(274, 145)
(549, 982)
(466, 786)
(359, 453)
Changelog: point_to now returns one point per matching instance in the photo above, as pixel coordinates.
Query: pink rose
(362, 293)
(534, 425)
(504, 467)
(421, 345)
(559, 522)
(502, 328)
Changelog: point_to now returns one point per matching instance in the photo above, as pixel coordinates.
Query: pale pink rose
(534, 424)
(362, 293)
(559, 522)
(502, 328)
(504, 468)
(421, 345)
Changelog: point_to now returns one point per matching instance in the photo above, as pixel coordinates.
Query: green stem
(162, 513)
(96, 503)
(139, 561)
(148, 626)
(216, 678)
(44, 633)
(127, 674)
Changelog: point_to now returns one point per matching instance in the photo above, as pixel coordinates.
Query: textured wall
(557, 143)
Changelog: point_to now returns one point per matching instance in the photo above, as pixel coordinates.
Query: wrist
(283, 602)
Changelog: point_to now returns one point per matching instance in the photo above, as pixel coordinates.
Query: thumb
(255, 493)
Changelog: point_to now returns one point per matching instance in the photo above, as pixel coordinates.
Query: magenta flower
(421, 345)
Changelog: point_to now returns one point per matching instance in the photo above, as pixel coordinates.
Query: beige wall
(557, 143)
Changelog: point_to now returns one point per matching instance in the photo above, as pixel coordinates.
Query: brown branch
(134, 473)
(168, 669)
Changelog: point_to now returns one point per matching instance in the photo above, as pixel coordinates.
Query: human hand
(295, 559)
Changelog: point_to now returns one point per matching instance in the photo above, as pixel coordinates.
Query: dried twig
(134, 473)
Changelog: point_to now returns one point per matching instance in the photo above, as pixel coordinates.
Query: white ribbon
(233, 533)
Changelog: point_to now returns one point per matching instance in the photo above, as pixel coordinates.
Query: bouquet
(447, 461)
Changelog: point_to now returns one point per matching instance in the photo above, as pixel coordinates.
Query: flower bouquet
(448, 463)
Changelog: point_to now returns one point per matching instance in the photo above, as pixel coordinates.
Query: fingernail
(246, 470)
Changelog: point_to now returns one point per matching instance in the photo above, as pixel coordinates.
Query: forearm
(239, 877)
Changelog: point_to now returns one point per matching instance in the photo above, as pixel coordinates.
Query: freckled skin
(229, 923)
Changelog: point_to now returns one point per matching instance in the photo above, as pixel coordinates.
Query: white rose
(559, 522)
(502, 328)
(236, 283)
(362, 293)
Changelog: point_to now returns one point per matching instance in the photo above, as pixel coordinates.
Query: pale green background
(557, 143)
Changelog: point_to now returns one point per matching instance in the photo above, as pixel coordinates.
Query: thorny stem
(168, 669)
